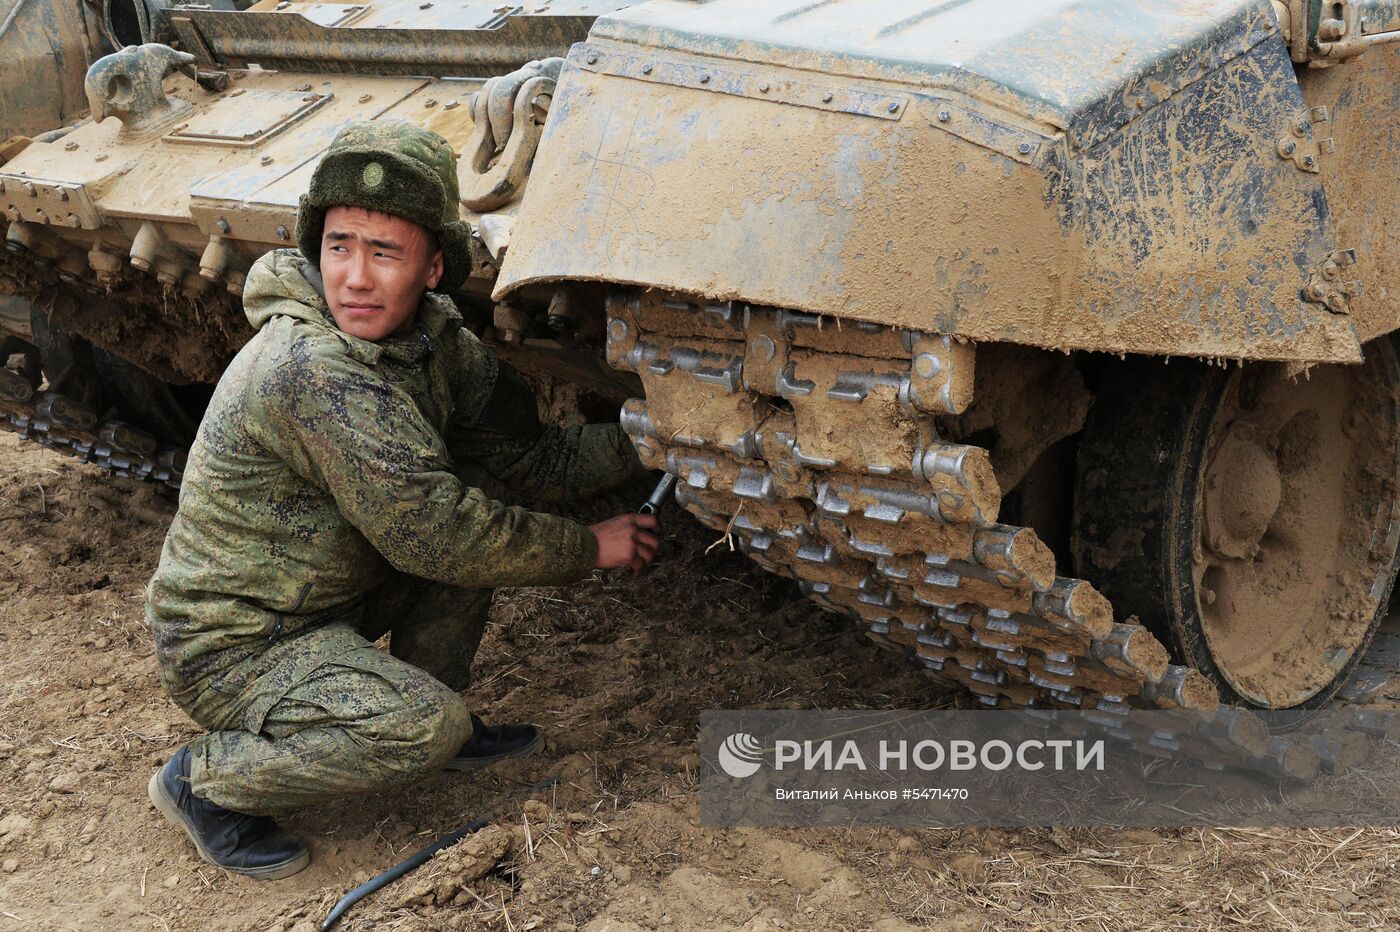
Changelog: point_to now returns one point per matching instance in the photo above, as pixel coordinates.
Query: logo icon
(740, 755)
(373, 175)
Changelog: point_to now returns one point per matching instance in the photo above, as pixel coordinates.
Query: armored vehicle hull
(811, 229)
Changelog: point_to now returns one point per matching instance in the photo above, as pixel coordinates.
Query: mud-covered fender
(1003, 189)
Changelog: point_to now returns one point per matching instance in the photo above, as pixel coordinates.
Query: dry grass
(1173, 879)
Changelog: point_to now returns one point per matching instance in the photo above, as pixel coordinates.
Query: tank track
(812, 445)
(66, 425)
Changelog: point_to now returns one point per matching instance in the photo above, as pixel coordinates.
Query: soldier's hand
(627, 540)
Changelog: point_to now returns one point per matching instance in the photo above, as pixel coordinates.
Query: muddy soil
(617, 670)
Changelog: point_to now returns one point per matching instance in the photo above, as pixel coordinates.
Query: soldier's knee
(429, 732)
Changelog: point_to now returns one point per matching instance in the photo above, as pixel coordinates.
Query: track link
(66, 425)
(812, 443)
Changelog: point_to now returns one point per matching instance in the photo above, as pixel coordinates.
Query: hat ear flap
(455, 241)
(311, 225)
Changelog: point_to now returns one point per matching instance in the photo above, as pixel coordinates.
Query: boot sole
(476, 763)
(166, 807)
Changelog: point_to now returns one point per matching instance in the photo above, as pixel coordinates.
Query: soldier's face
(375, 268)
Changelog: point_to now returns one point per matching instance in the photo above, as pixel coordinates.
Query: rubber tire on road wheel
(1139, 505)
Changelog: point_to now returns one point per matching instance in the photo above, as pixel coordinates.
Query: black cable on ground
(415, 860)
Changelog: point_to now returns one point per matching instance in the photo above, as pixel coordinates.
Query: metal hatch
(331, 14)
(249, 117)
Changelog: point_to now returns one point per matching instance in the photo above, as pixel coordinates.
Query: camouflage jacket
(325, 462)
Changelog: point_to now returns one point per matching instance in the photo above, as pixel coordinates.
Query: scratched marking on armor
(616, 225)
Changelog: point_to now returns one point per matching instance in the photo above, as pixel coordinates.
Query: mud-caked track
(67, 425)
(813, 444)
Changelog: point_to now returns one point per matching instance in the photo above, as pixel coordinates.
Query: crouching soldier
(346, 483)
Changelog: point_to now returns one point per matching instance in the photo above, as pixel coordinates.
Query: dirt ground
(617, 670)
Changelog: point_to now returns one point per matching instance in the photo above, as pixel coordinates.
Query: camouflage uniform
(339, 489)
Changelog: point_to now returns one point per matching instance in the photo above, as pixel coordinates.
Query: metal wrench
(658, 495)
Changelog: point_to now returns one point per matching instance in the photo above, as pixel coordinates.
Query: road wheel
(170, 413)
(117, 389)
(1250, 519)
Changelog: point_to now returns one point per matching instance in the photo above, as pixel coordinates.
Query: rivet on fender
(1328, 285)
(1300, 145)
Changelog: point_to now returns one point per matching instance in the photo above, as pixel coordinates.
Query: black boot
(489, 744)
(244, 844)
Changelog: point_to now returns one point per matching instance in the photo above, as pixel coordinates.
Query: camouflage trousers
(326, 714)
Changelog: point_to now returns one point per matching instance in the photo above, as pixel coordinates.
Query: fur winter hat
(396, 168)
